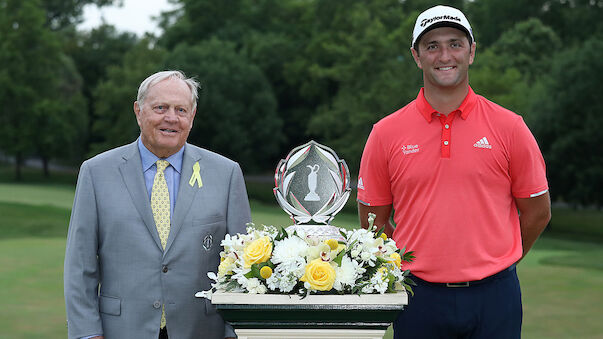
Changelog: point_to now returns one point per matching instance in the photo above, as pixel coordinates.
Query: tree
(114, 121)
(572, 20)
(61, 119)
(568, 123)
(64, 13)
(236, 114)
(358, 68)
(270, 33)
(489, 19)
(29, 54)
(528, 47)
(93, 52)
(506, 71)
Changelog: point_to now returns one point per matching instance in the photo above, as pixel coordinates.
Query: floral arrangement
(271, 260)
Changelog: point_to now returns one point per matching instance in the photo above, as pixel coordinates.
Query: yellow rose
(225, 266)
(320, 275)
(266, 272)
(396, 259)
(258, 251)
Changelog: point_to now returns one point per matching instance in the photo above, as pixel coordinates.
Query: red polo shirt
(452, 181)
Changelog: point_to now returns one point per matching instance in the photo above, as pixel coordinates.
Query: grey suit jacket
(116, 274)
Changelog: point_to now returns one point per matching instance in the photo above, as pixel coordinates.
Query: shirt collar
(427, 111)
(149, 159)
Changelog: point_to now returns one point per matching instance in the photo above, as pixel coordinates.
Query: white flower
(368, 257)
(285, 282)
(273, 281)
(390, 247)
(291, 255)
(320, 250)
(204, 294)
(289, 250)
(255, 286)
(371, 220)
(347, 273)
(378, 283)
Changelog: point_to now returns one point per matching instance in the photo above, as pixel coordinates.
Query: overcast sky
(134, 16)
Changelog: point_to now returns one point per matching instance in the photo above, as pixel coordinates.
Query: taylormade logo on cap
(440, 16)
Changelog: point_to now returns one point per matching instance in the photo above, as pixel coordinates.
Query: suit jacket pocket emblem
(207, 241)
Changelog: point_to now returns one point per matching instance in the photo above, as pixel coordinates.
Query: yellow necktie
(160, 204)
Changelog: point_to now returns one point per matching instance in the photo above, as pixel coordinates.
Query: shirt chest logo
(482, 143)
(410, 149)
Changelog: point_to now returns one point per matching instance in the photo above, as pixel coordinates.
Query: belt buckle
(458, 284)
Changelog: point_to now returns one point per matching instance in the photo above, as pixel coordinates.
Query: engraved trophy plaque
(312, 185)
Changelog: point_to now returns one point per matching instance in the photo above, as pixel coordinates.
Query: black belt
(498, 275)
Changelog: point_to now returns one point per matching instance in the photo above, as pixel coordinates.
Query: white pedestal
(258, 333)
(268, 316)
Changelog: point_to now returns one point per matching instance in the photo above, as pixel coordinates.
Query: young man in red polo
(467, 182)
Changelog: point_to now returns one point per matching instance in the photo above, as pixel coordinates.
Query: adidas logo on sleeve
(482, 143)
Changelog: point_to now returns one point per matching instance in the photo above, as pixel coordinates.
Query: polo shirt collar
(427, 111)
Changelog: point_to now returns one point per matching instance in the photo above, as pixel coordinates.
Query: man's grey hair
(192, 84)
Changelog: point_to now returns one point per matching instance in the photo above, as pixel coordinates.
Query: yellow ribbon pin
(196, 176)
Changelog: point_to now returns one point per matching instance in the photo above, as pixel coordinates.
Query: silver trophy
(312, 185)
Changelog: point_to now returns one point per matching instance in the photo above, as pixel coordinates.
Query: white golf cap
(440, 16)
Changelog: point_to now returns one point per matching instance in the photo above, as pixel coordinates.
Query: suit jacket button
(165, 269)
(157, 304)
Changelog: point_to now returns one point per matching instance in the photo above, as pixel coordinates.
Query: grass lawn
(561, 278)
(31, 288)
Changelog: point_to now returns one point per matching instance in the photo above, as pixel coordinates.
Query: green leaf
(408, 256)
(339, 257)
(282, 234)
(409, 289)
(409, 281)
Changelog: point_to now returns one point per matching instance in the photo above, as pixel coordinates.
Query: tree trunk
(45, 167)
(18, 165)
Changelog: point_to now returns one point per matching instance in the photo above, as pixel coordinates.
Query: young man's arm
(534, 215)
(382, 213)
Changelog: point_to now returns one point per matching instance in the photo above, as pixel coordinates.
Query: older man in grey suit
(146, 226)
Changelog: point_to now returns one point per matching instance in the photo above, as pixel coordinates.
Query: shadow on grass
(576, 253)
(20, 221)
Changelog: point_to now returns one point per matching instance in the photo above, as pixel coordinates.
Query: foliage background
(276, 73)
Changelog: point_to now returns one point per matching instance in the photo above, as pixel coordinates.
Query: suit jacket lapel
(186, 192)
(131, 171)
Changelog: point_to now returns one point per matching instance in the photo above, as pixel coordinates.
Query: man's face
(444, 56)
(166, 117)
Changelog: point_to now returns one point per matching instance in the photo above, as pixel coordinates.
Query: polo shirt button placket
(446, 121)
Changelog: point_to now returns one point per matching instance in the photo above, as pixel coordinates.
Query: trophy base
(318, 232)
